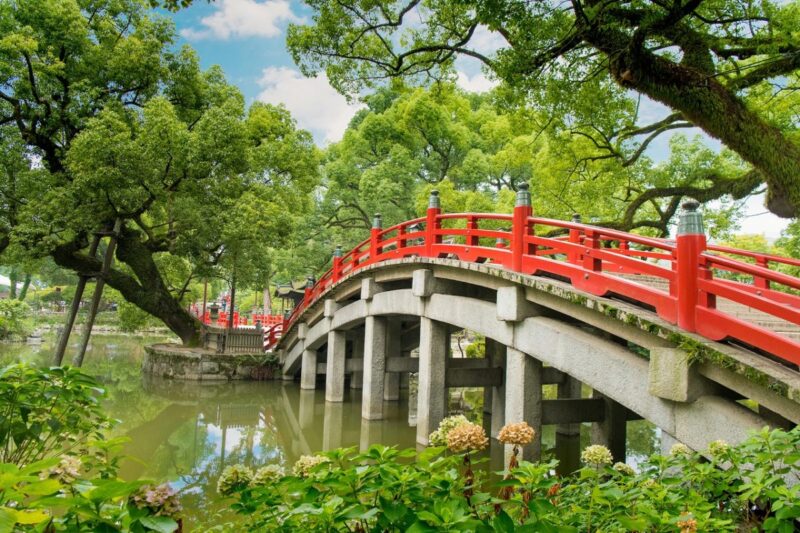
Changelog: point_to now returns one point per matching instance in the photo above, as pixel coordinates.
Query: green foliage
(15, 319)
(39, 406)
(57, 468)
(131, 318)
(725, 66)
(384, 489)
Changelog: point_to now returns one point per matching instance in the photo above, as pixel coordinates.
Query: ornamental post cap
(433, 200)
(576, 218)
(377, 221)
(310, 282)
(690, 221)
(338, 251)
(523, 195)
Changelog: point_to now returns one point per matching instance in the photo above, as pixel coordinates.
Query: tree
(721, 65)
(121, 128)
(476, 150)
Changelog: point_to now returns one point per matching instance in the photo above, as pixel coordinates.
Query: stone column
(374, 367)
(357, 378)
(496, 356)
(611, 432)
(391, 380)
(334, 370)
(568, 436)
(308, 370)
(431, 391)
(524, 398)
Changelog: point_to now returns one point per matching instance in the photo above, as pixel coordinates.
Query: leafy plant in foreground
(743, 487)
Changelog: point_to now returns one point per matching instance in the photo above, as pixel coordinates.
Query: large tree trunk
(26, 283)
(717, 111)
(145, 288)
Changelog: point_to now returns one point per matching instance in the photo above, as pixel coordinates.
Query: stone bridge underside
(539, 331)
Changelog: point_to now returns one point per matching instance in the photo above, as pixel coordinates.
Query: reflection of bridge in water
(635, 320)
(250, 422)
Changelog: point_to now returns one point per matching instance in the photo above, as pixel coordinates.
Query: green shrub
(15, 319)
(57, 469)
(383, 489)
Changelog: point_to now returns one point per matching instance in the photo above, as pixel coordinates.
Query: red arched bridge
(675, 331)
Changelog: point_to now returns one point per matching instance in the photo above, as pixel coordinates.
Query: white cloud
(244, 18)
(312, 101)
(476, 83)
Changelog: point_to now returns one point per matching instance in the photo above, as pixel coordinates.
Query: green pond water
(187, 432)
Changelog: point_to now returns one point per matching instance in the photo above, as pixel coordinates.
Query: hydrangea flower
(717, 447)
(518, 434)
(597, 455)
(624, 469)
(439, 437)
(679, 449)
(161, 500)
(306, 462)
(687, 524)
(267, 475)
(233, 478)
(66, 471)
(466, 438)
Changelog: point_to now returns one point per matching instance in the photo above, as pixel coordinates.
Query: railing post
(337, 264)
(520, 227)
(432, 223)
(472, 225)
(758, 281)
(575, 238)
(309, 286)
(374, 237)
(691, 242)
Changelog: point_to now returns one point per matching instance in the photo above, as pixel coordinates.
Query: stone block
(422, 283)
(302, 330)
(209, 367)
(512, 305)
(670, 377)
(369, 288)
(330, 308)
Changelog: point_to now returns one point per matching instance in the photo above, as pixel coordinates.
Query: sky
(247, 39)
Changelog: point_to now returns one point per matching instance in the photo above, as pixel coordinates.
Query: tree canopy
(102, 122)
(729, 67)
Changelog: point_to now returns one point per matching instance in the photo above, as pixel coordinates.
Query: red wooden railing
(240, 320)
(592, 258)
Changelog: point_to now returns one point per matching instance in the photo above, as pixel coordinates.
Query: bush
(57, 469)
(15, 319)
(737, 488)
(131, 318)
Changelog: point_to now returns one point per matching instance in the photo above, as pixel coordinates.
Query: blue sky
(247, 38)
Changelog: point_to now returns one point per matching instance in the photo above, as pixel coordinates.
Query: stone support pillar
(334, 370)
(391, 380)
(524, 398)
(568, 436)
(496, 396)
(308, 370)
(357, 378)
(611, 432)
(431, 391)
(374, 367)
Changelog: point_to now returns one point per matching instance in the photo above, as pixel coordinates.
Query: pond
(187, 432)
